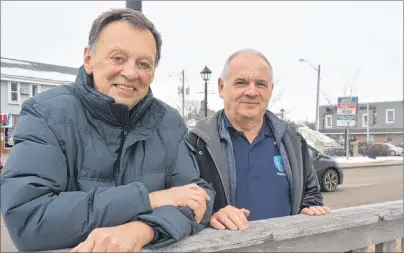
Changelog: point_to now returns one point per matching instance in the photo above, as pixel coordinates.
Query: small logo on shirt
(279, 165)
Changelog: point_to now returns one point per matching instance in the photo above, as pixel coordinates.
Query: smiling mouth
(124, 87)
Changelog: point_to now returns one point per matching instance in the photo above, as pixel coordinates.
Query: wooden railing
(344, 230)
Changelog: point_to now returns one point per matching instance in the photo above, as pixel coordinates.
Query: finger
(222, 218)
(101, 245)
(315, 211)
(87, 246)
(246, 212)
(307, 211)
(327, 209)
(194, 205)
(321, 210)
(216, 224)
(203, 193)
(237, 218)
(201, 201)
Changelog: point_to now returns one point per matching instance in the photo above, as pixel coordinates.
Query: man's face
(122, 63)
(246, 87)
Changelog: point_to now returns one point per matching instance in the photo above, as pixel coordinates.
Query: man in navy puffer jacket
(102, 165)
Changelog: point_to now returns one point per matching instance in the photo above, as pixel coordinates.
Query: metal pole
(206, 99)
(318, 97)
(183, 94)
(134, 4)
(367, 125)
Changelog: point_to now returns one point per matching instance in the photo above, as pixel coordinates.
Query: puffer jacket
(81, 162)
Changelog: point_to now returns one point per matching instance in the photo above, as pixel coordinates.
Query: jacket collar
(215, 126)
(104, 107)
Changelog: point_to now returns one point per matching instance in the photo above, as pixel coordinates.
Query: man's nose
(251, 90)
(130, 71)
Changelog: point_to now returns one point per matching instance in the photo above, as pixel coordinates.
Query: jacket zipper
(226, 193)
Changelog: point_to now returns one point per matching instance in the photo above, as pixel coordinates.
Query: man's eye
(118, 59)
(144, 65)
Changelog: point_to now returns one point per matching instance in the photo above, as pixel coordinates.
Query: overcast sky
(358, 44)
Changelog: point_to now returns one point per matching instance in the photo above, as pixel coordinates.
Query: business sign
(8, 140)
(347, 108)
(6, 120)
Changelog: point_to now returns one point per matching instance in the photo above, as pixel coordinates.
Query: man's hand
(315, 210)
(230, 217)
(190, 195)
(130, 237)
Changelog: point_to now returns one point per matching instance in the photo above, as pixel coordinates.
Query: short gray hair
(231, 57)
(135, 18)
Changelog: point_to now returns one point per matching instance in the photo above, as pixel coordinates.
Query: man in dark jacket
(102, 165)
(258, 164)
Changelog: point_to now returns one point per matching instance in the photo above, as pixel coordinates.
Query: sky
(359, 45)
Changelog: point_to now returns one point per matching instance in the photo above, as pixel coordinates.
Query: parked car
(329, 171)
(384, 149)
(394, 150)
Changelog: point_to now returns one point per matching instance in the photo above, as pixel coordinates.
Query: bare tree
(277, 95)
(191, 108)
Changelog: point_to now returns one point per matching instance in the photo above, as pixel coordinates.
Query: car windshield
(390, 145)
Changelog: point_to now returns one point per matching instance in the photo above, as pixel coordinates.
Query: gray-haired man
(102, 165)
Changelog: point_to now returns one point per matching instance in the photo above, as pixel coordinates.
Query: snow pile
(367, 159)
(312, 136)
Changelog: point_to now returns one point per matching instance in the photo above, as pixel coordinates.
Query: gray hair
(231, 57)
(135, 18)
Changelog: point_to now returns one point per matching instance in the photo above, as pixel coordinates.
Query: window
(13, 93)
(390, 116)
(34, 89)
(328, 121)
(365, 120)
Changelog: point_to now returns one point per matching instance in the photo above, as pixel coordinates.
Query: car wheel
(392, 153)
(330, 181)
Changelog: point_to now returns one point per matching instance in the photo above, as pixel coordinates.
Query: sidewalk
(356, 162)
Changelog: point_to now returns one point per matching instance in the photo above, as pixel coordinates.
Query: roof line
(35, 62)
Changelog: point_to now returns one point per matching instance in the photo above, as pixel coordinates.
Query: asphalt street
(361, 186)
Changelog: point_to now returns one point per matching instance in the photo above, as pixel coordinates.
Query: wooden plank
(333, 241)
(402, 245)
(340, 231)
(389, 246)
(364, 249)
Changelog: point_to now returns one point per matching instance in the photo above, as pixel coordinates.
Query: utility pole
(318, 98)
(183, 94)
(134, 4)
(367, 124)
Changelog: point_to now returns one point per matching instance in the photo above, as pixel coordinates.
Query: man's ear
(88, 66)
(220, 86)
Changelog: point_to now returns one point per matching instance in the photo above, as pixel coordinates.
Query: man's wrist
(144, 232)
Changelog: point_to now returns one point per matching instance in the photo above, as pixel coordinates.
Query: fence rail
(344, 230)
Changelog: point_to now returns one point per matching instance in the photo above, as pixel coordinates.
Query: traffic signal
(374, 115)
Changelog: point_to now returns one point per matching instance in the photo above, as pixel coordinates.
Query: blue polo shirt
(261, 183)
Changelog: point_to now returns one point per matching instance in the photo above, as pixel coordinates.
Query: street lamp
(134, 4)
(318, 69)
(205, 74)
(282, 113)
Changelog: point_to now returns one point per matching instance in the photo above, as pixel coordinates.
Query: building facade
(385, 122)
(19, 81)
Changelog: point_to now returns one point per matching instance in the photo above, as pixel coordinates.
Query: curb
(374, 164)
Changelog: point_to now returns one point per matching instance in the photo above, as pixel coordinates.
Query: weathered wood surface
(341, 231)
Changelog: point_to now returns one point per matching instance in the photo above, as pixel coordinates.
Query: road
(370, 185)
(361, 186)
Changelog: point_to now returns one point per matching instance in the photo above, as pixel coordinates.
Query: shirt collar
(265, 130)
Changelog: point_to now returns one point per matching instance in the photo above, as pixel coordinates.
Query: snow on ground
(38, 74)
(312, 136)
(366, 159)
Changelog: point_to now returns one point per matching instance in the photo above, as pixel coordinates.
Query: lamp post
(205, 74)
(134, 4)
(282, 113)
(318, 70)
